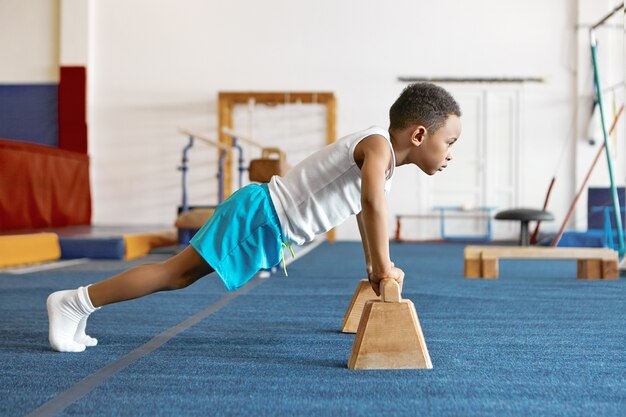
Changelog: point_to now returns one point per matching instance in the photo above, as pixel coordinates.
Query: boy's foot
(66, 311)
(81, 337)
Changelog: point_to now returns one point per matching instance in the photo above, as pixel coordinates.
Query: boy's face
(434, 151)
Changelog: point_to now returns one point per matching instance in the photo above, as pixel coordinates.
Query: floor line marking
(87, 384)
(21, 270)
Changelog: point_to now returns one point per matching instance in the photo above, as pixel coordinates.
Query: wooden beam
(278, 98)
(592, 263)
(538, 252)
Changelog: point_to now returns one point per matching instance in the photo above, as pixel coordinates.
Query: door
(485, 171)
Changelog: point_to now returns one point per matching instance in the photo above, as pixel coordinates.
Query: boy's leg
(177, 272)
(68, 310)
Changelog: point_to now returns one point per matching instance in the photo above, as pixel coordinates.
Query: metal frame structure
(594, 58)
(228, 100)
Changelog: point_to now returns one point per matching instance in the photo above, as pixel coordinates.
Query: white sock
(81, 337)
(66, 310)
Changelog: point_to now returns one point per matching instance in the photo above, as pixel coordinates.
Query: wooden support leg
(610, 269)
(362, 294)
(472, 268)
(589, 269)
(489, 268)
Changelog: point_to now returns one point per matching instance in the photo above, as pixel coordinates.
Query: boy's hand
(394, 273)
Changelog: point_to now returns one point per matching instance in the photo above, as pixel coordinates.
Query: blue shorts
(242, 236)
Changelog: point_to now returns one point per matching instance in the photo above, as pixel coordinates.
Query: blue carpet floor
(535, 342)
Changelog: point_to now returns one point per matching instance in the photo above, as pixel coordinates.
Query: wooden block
(473, 252)
(589, 269)
(580, 273)
(389, 335)
(390, 291)
(362, 294)
(489, 268)
(610, 270)
(262, 170)
(472, 268)
(194, 219)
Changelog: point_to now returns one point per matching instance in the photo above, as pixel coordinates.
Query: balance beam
(592, 263)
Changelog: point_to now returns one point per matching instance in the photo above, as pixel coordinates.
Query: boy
(247, 232)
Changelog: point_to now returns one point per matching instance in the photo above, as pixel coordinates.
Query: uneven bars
(241, 137)
(607, 17)
(204, 139)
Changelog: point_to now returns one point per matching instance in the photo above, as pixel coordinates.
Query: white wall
(74, 32)
(29, 41)
(155, 68)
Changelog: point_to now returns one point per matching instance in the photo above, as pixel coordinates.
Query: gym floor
(534, 342)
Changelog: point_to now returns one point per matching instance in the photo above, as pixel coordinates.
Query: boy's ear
(418, 134)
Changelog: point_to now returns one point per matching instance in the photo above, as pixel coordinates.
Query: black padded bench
(524, 216)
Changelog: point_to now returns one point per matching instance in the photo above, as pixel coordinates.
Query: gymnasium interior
(125, 123)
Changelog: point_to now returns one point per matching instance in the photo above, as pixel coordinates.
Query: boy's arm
(376, 157)
(366, 247)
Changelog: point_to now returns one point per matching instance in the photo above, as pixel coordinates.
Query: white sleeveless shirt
(323, 190)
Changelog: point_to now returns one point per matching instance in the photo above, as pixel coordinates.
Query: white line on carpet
(43, 267)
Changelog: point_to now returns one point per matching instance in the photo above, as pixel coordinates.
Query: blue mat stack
(91, 247)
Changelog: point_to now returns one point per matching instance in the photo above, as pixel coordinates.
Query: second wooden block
(362, 294)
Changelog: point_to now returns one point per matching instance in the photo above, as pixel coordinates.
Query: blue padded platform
(599, 197)
(591, 238)
(29, 113)
(94, 248)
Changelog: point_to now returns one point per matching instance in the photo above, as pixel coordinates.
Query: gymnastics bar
(203, 138)
(228, 100)
(242, 137)
(441, 216)
(592, 263)
(502, 80)
(608, 16)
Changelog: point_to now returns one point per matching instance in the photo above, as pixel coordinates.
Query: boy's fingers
(400, 277)
(376, 289)
(375, 286)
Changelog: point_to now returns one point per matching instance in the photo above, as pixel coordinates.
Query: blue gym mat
(535, 342)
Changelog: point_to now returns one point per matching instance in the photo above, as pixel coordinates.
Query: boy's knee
(173, 279)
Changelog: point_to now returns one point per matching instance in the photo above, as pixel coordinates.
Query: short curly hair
(423, 103)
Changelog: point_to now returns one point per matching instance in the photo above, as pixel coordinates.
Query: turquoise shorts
(242, 236)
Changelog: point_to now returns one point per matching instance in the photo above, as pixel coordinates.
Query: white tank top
(323, 190)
